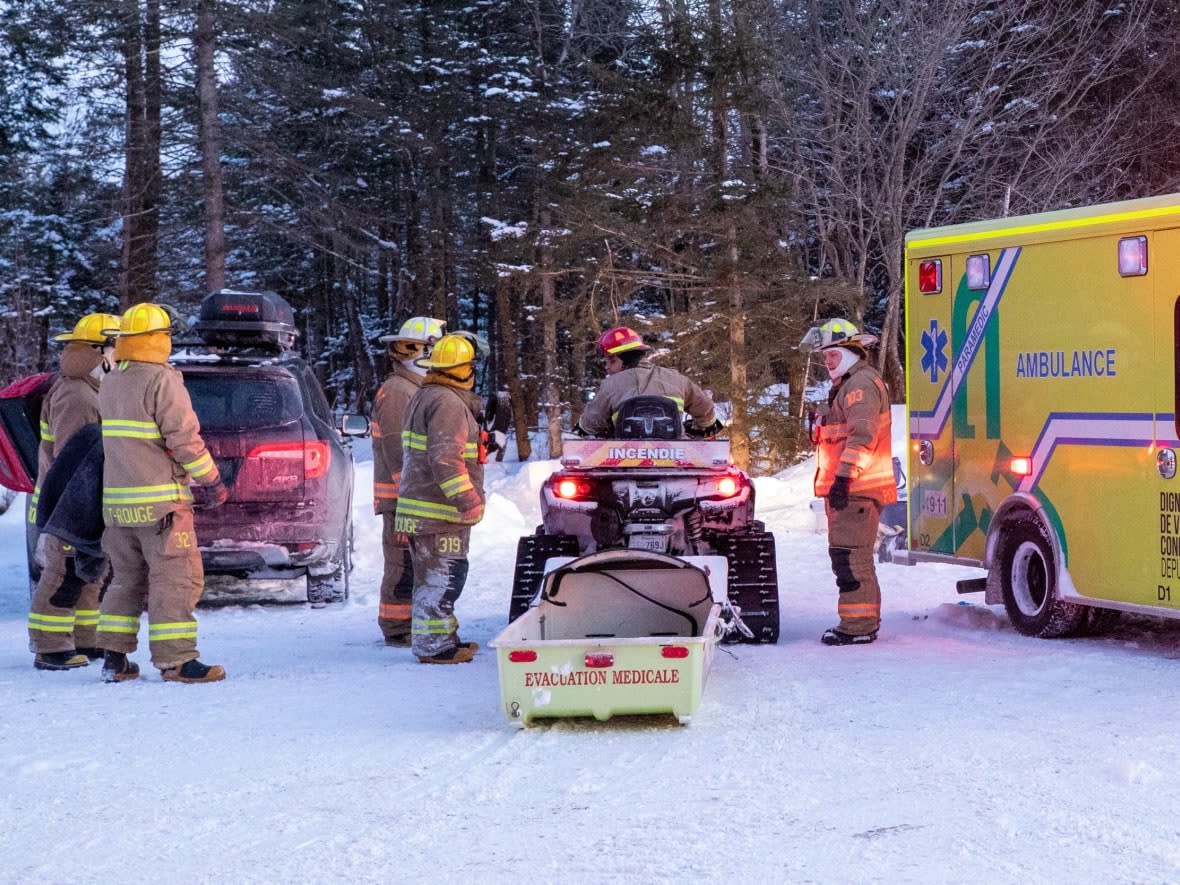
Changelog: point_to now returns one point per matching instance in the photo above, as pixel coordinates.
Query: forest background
(716, 173)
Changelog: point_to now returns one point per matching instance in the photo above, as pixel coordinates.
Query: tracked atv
(652, 488)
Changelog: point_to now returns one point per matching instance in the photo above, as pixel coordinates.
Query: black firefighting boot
(839, 637)
(59, 660)
(116, 667)
(194, 671)
(460, 654)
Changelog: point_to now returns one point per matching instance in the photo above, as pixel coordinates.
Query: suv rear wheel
(333, 587)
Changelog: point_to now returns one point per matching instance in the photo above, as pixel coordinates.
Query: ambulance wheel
(1029, 582)
(531, 553)
(1098, 621)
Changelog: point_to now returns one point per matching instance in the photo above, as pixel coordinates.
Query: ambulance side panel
(1054, 357)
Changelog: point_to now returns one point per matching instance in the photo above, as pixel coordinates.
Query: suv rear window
(244, 400)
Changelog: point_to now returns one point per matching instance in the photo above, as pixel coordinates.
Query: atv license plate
(648, 541)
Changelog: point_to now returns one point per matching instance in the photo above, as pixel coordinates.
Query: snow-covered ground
(952, 750)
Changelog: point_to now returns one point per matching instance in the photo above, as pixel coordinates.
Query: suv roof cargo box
(20, 433)
(230, 318)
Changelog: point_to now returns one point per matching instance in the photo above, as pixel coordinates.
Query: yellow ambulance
(1042, 356)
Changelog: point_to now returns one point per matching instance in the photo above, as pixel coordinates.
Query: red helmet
(618, 340)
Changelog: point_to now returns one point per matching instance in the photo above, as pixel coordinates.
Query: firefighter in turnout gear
(854, 473)
(63, 616)
(413, 341)
(627, 376)
(441, 496)
(153, 451)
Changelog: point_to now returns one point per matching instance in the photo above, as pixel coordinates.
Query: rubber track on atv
(531, 553)
(753, 581)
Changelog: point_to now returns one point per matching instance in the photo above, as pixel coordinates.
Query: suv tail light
(284, 465)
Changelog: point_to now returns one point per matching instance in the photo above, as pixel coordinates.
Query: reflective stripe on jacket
(441, 474)
(645, 380)
(389, 412)
(855, 438)
(152, 443)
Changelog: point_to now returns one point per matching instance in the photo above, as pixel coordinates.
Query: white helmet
(827, 334)
(417, 330)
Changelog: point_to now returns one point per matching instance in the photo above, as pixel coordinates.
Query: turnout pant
(157, 568)
(397, 582)
(440, 571)
(852, 538)
(64, 611)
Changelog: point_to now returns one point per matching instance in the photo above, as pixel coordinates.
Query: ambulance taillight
(930, 276)
(1021, 466)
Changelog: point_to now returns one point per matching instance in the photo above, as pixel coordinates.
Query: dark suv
(288, 468)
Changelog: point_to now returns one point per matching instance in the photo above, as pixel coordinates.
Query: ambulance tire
(1098, 621)
(1029, 583)
(531, 553)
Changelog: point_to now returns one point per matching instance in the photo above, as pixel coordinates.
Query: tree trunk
(520, 411)
(131, 284)
(739, 438)
(550, 393)
(210, 149)
(153, 181)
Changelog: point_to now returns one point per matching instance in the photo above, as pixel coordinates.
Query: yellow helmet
(94, 328)
(450, 352)
(145, 317)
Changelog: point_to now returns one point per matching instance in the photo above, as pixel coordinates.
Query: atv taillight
(286, 464)
(572, 489)
(727, 486)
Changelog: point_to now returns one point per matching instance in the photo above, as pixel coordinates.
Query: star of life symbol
(934, 359)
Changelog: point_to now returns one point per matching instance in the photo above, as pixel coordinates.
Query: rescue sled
(616, 632)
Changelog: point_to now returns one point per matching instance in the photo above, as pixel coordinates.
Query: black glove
(214, 495)
(691, 429)
(838, 494)
(580, 431)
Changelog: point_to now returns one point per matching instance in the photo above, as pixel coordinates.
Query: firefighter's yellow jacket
(72, 402)
(645, 380)
(855, 438)
(442, 479)
(152, 443)
(389, 412)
